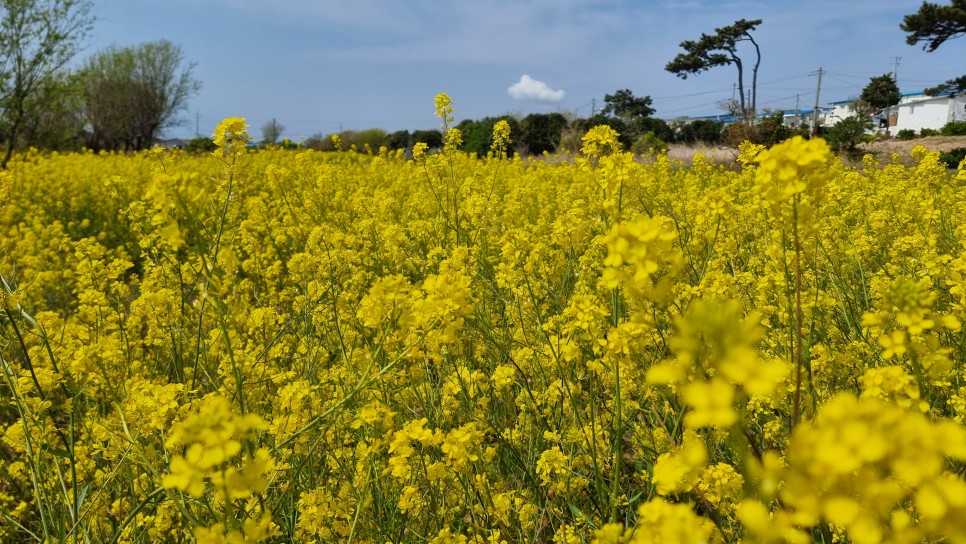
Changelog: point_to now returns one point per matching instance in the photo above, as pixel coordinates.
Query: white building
(918, 111)
(840, 110)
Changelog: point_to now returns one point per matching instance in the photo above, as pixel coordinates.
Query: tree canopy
(881, 92)
(955, 85)
(935, 23)
(541, 132)
(625, 105)
(720, 49)
(133, 93)
(272, 131)
(37, 39)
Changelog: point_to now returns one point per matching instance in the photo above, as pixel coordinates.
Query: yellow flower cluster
(211, 438)
(231, 136)
(501, 137)
(792, 167)
(873, 468)
(290, 345)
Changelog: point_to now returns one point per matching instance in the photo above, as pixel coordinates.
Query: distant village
(914, 112)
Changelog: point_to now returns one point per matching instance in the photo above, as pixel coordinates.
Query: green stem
(151, 496)
(796, 408)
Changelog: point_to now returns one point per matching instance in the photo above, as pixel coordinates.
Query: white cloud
(531, 89)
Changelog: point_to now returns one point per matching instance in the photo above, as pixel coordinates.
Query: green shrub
(849, 132)
(432, 138)
(703, 130)
(928, 132)
(319, 142)
(659, 127)
(649, 141)
(767, 131)
(371, 139)
(399, 139)
(201, 144)
(953, 157)
(906, 134)
(540, 132)
(954, 128)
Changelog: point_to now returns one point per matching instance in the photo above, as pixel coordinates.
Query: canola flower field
(295, 346)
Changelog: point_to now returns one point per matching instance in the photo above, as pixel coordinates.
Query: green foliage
(955, 85)
(953, 157)
(318, 142)
(629, 129)
(928, 132)
(934, 24)
(768, 131)
(881, 92)
(363, 141)
(432, 138)
(201, 144)
(272, 131)
(954, 128)
(478, 135)
(540, 133)
(371, 138)
(401, 139)
(625, 105)
(626, 138)
(570, 137)
(52, 117)
(906, 134)
(37, 40)
(649, 143)
(701, 131)
(719, 49)
(133, 93)
(849, 132)
(659, 127)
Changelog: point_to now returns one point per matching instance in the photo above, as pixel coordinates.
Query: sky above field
(318, 66)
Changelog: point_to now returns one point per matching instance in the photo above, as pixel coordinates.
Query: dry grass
(715, 154)
(883, 149)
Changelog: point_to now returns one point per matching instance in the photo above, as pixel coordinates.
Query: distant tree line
(120, 98)
(539, 133)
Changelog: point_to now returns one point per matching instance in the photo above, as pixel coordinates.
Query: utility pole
(818, 89)
(798, 112)
(593, 107)
(895, 73)
(197, 124)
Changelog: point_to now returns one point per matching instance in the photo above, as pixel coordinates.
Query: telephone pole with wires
(818, 89)
(798, 112)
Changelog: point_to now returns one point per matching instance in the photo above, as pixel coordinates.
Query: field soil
(883, 149)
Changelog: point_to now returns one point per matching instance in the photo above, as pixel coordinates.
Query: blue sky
(318, 66)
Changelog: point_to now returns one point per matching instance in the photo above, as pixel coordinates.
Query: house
(917, 111)
(841, 109)
(799, 119)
